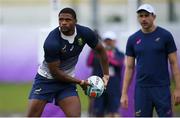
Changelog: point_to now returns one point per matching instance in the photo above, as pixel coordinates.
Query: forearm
(60, 75)
(127, 79)
(176, 74)
(63, 77)
(173, 60)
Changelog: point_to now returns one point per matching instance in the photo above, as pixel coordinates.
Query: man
(152, 47)
(108, 103)
(55, 78)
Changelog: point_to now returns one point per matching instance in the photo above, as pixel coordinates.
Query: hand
(84, 84)
(124, 101)
(176, 96)
(105, 80)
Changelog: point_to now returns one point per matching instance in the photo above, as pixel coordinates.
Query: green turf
(14, 98)
(83, 98)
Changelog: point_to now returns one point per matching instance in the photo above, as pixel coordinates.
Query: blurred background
(24, 25)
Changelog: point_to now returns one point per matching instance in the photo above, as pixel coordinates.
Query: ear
(75, 20)
(154, 16)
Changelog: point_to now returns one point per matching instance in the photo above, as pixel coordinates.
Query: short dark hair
(69, 11)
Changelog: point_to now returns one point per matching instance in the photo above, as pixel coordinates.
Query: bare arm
(176, 75)
(129, 69)
(104, 61)
(60, 75)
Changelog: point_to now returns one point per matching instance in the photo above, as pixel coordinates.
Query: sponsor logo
(37, 91)
(138, 41)
(138, 113)
(63, 50)
(72, 48)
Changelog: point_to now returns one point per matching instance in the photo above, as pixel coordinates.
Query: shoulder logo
(80, 42)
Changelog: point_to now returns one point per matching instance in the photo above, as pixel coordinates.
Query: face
(109, 44)
(67, 23)
(146, 20)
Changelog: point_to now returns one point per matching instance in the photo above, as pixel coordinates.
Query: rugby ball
(97, 86)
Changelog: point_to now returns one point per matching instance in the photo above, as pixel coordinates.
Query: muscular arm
(59, 74)
(176, 75)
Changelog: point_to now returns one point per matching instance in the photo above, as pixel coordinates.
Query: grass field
(14, 99)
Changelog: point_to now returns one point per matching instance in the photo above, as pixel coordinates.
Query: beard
(64, 29)
(67, 30)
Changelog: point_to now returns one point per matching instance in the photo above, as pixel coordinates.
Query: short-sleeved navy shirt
(151, 52)
(56, 48)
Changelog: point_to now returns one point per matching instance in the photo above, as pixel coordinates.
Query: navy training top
(151, 52)
(57, 48)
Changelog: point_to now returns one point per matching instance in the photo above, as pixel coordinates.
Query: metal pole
(172, 14)
(54, 10)
(95, 23)
(132, 16)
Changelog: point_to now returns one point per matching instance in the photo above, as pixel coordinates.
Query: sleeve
(51, 51)
(129, 48)
(170, 44)
(91, 39)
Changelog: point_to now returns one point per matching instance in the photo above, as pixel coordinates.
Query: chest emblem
(72, 48)
(80, 42)
(63, 50)
(138, 41)
(157, 39)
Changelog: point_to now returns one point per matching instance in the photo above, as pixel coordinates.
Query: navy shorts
(51, 89)
(148, 98)
(106, 103)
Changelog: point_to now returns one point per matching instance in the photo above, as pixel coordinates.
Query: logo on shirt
(138, 41)
(80, 41)
(72, 48)
(157, 39)
(63, 50)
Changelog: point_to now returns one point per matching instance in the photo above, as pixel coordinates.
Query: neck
(149, 30)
